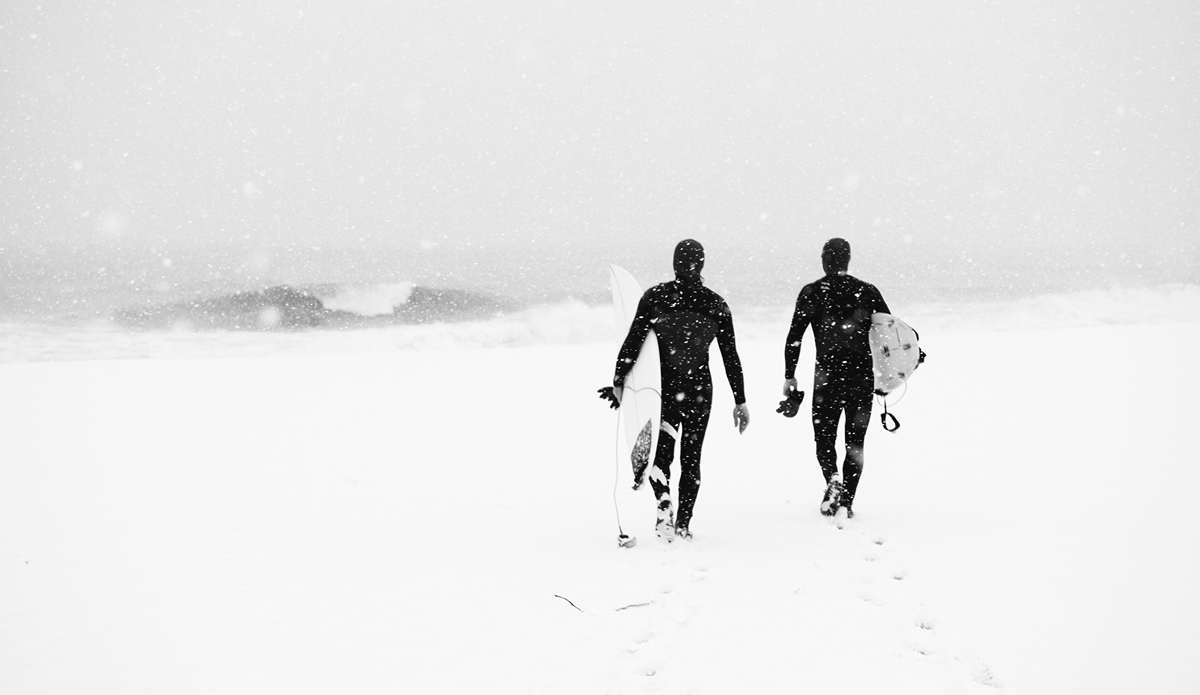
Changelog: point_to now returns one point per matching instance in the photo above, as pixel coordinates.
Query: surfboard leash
(885, 416)
(623, 539)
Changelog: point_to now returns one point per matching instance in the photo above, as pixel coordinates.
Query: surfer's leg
(690, 449)
(826, 412)
(858, 418)
(660, 473)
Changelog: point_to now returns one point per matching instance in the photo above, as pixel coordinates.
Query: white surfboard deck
(640, 402)
(894, 351)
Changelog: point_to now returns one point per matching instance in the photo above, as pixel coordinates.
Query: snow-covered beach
(304, 308)
(362, 512)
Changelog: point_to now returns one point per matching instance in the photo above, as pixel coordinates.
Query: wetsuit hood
(835, 257)
(689, 259)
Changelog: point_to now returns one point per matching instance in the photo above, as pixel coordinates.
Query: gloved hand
(609, 394)
(741, 417)
(791, 405)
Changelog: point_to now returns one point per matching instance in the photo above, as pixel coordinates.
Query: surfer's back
(839, 308)
(687, 317)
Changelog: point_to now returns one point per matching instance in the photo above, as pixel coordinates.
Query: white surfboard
(894, 351)
(640, 402)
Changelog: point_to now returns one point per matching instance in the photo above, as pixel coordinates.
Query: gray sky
(962, 126)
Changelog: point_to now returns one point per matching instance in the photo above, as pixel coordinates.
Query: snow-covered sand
(442, 521)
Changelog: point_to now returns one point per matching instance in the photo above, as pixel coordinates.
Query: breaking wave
(322, 306)
(285, 320)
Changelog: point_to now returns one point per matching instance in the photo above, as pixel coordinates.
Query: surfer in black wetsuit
(686, 316)
(839, 308)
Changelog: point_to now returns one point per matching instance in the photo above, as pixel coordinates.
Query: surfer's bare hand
(741, 417)
(789, 386)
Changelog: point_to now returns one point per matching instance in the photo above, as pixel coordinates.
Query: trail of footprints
(660, 620)
(651, 627)
(883, 584)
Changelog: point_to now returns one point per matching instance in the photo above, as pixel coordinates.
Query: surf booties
(791, 405)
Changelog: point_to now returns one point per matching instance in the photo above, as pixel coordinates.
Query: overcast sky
(962, 124)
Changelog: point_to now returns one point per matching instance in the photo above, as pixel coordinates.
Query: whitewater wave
(322, 306)
(1114, 306)
(375, 300)
(568, 322)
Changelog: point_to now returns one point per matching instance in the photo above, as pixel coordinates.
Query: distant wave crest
(375, 300)
(284, 307)
(441, 319)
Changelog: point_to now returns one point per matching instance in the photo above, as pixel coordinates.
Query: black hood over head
(689, 259)
(835, 257)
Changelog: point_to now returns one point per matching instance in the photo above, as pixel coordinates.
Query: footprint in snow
(916, 626)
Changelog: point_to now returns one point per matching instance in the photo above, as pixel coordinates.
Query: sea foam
(460, 320)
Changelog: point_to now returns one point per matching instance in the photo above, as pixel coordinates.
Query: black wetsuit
(839, 308)
(686, 316)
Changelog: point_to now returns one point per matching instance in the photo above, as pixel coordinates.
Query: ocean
(97, 301)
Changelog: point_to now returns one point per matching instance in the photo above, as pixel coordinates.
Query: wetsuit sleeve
(879, 305)
(638, 330)
(801, 318)
(729, 355)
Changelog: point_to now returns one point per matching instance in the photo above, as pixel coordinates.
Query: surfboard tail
(640, 405)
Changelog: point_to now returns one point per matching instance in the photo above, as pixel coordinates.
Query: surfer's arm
(729, 355)
(880, 305)
(801, 318)
(638, 330)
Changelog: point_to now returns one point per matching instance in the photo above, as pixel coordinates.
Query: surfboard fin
(640, 456)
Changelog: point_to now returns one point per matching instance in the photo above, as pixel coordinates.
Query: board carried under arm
(895, 355)
(640, 398)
